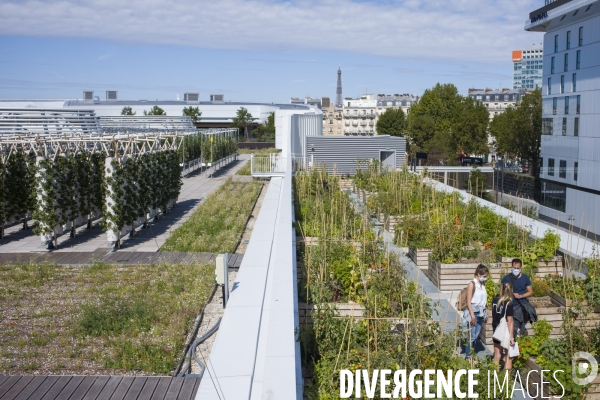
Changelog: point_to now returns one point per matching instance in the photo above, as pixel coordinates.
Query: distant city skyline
(57, 49)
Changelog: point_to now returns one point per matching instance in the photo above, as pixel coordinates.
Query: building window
(581, 36)
(556, 43)
(554, 105)
(549, 86)
(567, 105)
(551, 166)
(575, 170)
(574, 82)
(578, 61)
(566, 62)
(576, 127)
(547, 126)
(564, 127)
(578, 104)
(562, 169)
(568, 40)
(330, 122)
(552, 65)
(355, 112)
(364, 112)
(554, 196)
(562, 83)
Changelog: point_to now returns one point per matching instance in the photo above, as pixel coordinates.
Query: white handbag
(513, 351)
(501, 333)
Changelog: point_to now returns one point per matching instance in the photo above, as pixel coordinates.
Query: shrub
(542, 329)
(592, 291)
(540, 288)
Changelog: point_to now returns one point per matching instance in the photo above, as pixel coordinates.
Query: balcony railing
(275, 165)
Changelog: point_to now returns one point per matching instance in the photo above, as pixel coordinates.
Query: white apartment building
(570, 148)
(497, 101)
(360, 115)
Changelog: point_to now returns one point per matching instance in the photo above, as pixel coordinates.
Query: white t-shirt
(480, 295)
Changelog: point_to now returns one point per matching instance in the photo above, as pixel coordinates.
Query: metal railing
(275, 164)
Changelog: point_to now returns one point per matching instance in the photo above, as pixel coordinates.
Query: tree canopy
(519, 130)
(266, 132)
(242, 120)
(127, 111)
(445, 124)
(392, 122)
(193, 112)
(156, 110)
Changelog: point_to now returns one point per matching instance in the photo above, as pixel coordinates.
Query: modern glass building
(527, 67)
(570, 146)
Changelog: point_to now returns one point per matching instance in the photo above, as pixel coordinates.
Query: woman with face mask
(475, 315)
(502, 307)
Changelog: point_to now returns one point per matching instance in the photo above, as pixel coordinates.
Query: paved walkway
(194, 190)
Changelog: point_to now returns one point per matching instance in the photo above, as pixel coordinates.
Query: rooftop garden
(104, 319)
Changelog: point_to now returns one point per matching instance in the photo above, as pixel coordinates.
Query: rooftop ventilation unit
(217, 98)
(111, 95)
(191, 97)
(88, 96)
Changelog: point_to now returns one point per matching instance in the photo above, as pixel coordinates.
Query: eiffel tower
(338, 98)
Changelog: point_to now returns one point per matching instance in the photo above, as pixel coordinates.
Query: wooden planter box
(454, 277)
(551, 314)
(390, 223)
(420, 257)
(305, 311)
(307, 241)
(346, 184)
(558, 299)
(545, 267)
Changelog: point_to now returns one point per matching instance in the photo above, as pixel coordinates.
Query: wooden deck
(76, 387)
(116, 257)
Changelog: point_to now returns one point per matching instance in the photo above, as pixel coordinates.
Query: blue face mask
(516, 271)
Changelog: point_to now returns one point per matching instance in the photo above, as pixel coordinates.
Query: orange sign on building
(517, 55)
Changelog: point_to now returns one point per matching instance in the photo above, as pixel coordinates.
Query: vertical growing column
(112, 231)
(45, 212)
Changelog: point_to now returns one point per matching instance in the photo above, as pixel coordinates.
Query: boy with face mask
(522, 289)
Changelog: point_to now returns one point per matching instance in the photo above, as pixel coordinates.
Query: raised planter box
(355, 310)
(390, 223)
(420, 257)
(551, 314)
(568, 303)
(546, 267)
(454, 277)
(307, 241)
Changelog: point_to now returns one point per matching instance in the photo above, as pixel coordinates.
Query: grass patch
(245, 170)
(216, 226)
(106, 319)
(266, 151)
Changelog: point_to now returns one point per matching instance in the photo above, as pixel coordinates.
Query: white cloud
(466, 30)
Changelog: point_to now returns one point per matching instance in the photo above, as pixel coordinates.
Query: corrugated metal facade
(304, 125)
(344, 152)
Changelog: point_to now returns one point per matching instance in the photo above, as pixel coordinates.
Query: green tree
(156, 110)
(242, 120)
(445, 123)
(127, 111)
(470, 127)
(519, 130)
(392, 122)
(193, 112)
(266, 132)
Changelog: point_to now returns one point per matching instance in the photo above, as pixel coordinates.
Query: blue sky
(259, 50)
